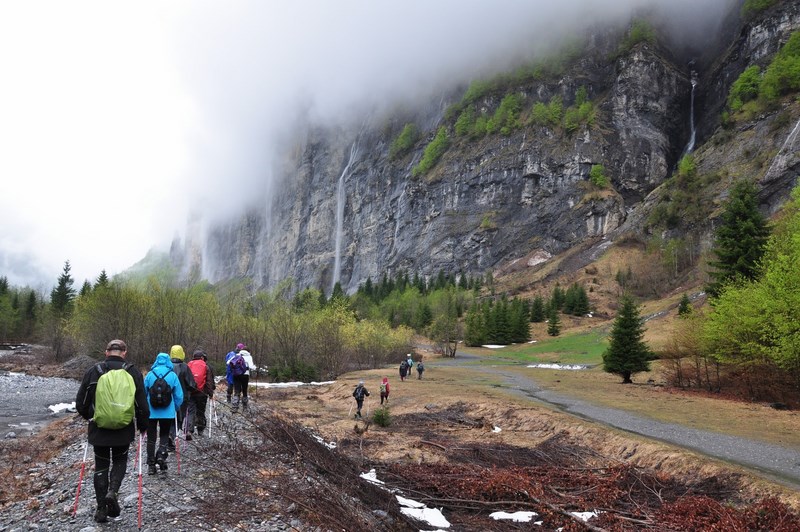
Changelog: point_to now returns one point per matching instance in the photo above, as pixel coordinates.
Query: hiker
(228, 374)
(420, 369)
(188, 385)
(403, 370)
(111, 430)
(198, 399)
(165, 397)
(359, 393)
(409, 363)
(240, 365)
(385, 390)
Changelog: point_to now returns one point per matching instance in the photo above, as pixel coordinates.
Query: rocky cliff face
(344, 210)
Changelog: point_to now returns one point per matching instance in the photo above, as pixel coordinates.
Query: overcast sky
(117, 118)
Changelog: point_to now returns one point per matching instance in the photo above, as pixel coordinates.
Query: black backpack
(160, 392)
(358, 393)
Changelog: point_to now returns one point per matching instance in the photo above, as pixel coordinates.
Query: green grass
(580, 348)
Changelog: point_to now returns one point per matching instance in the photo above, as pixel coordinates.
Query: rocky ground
(450, 442)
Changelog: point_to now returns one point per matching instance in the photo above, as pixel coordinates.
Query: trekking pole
(177, 445)
(351, 409)
(139, 456)
(80, 478)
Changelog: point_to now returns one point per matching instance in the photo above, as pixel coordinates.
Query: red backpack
(199, 371)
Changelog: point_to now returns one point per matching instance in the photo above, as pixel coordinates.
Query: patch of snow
(493, 346)
(288, 384)
(533, 341)
(575, 367)
(372, 476)
(517, 517)
(432, 516)
(63, 407)
(331, 445)
(585, 516)
(496, 429)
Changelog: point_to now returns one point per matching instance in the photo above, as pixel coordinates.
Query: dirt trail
(777, 463)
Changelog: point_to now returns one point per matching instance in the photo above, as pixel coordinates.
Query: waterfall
(340, 201)
(397, 220)
(693, 131)
(781, 159)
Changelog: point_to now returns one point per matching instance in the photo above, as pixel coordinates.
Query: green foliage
(433, 152)
(640, 31)
(686, 166)
(627, 352)
(685, 306)
(581, 96)
(745, 88)
(751, 8)
(405, 141)
(63, 295)
(466, 121)
(553, 322)
(576, 300)
(381, 417)
(757, 322)
(538, 313)
(597, 176)
(783, 73)
(506, 117)
(477, 90)
(740, 240)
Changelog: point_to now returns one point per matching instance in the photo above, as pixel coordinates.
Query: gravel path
(777, 463)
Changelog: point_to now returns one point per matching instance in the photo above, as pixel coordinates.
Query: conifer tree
(63, 295)
(538, 313)
(685, 306)
(557, 298)
(474, 327)
(627, 352)
(337, 293)
(86, 288)
(553, 322)
(740, 240)
(102, 280)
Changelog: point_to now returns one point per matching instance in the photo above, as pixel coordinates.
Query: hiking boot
(151, 469)
(101, 514)
(189, 437)
(112, 505)
(161, 460)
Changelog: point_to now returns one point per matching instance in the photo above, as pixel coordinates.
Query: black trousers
(163, 426)
(197, 412)
(109, 469)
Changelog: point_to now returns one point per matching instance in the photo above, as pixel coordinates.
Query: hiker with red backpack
(240, 365)
(111, 396)
(198, 399)
(164, 397)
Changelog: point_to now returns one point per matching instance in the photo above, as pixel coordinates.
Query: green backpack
(114, 398)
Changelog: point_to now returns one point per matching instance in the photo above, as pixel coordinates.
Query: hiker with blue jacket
(111, 444)
(164, 397)
(228, 374)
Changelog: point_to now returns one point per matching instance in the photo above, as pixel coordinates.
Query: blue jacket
(162, 367)
(228, 374)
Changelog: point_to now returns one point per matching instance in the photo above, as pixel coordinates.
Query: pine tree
(337, 293)
(475, 327)
(740, 240)
(102, 280)
(557, 298)
(538, 313)
(553, 322)
(63, 295)
(627, 352)
(86, 288)
(685, 306)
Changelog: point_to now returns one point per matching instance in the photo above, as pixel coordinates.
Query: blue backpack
(238, 365)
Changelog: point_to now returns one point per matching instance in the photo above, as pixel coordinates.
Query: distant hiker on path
(385, 390)
(228, 374)
(359, 393)
(403, 370)
(240, 365)
(111, 422)
(188, 385)
(409, 363)
(164, 396)
(420, 369)
(204, 379)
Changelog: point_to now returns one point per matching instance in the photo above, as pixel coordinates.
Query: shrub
(405, 141)
(433, 152)
(540, 115)
(506, 117)
(751, 8)
(783, 73)
(745, 88)
(640, 31)
(381, 417)
(686, 166)
(597, 176)
(466, 121)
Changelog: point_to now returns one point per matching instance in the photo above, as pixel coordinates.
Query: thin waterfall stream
(340, 201)
(692, 128)
(781, 159)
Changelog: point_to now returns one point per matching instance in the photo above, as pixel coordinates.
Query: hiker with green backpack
(165, 397)
(112, 396)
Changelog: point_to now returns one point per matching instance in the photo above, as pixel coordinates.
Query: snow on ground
(517, 517)
(62, 407)
(288, 384)
(493, 346)
(574, 367)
